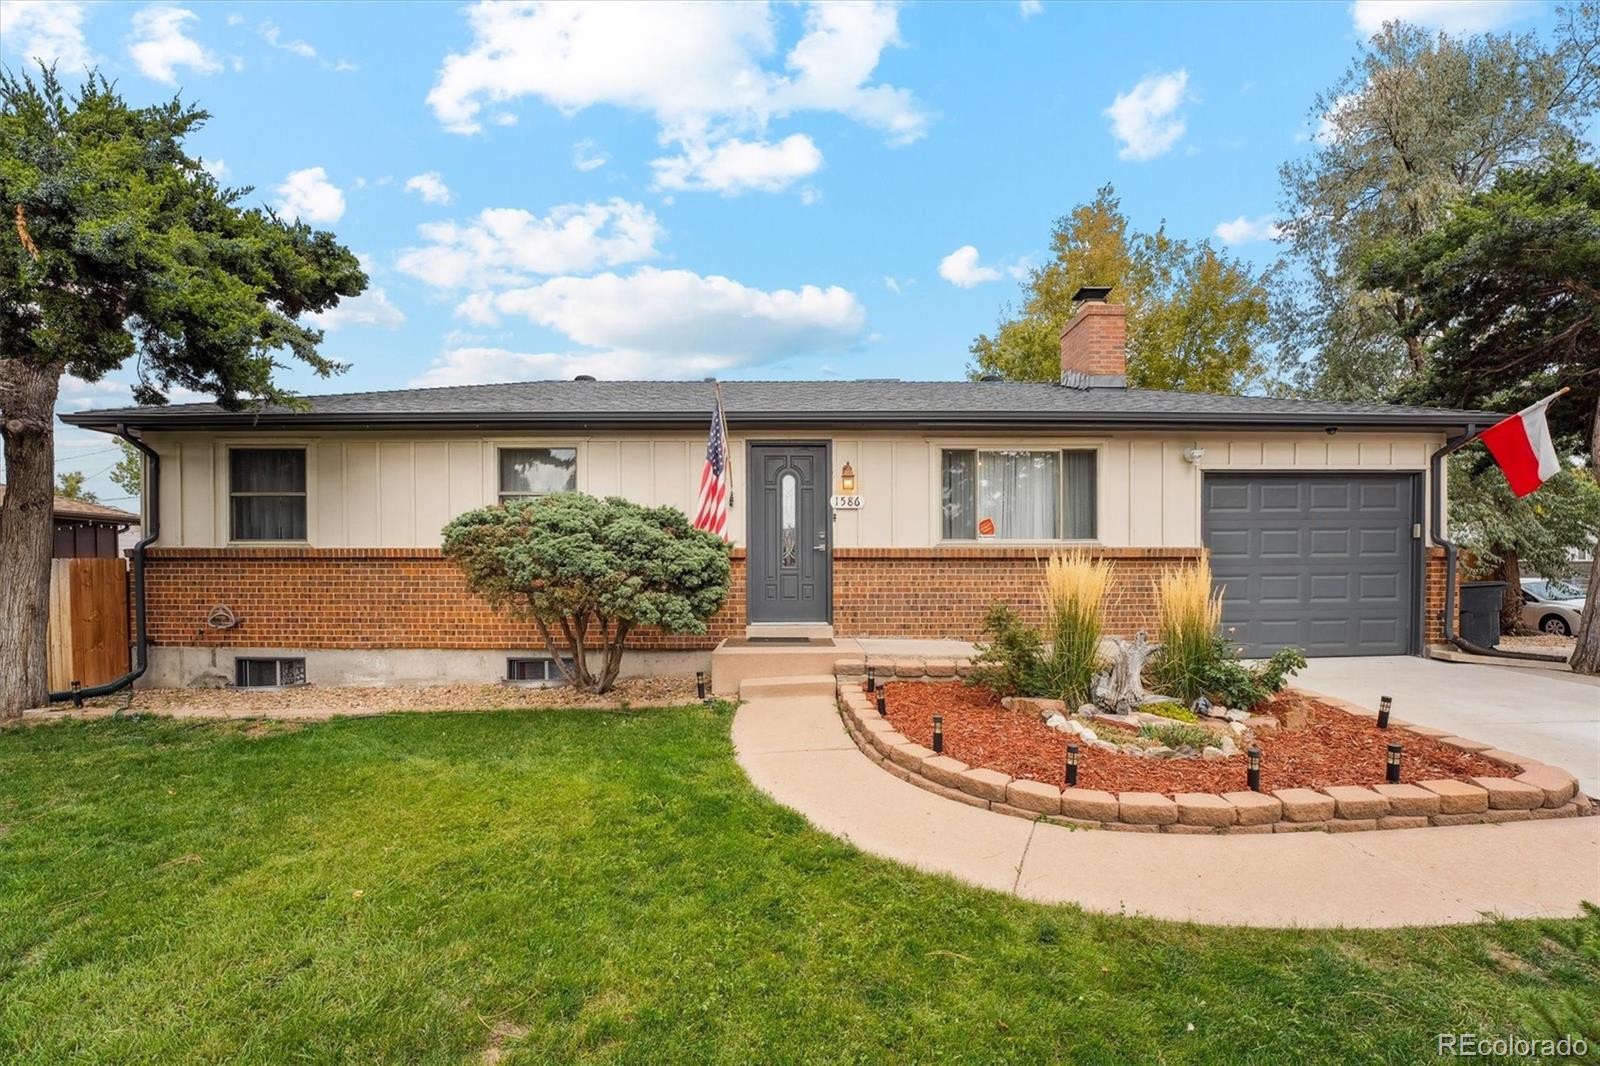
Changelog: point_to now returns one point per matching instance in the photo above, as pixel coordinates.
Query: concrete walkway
(1551, 715)
(795, 749)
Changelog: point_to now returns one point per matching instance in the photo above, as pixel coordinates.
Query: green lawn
(585, 886)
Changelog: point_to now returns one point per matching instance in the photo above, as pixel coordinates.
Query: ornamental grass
(1191, 612)
(1074, 591)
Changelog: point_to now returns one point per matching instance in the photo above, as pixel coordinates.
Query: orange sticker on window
(985, 527)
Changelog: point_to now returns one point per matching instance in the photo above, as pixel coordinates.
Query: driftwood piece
(1120, 690)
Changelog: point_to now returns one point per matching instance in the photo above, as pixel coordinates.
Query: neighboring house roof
(85, 511)
(879, 402)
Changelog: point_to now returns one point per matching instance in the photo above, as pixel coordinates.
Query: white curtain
(1021, 493)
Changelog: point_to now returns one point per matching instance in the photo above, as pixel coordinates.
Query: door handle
(821, 546)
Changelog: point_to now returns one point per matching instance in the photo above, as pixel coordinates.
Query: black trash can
(1480, 612)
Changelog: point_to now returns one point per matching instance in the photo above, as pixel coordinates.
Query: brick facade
(1433, 598)
(1095, 340)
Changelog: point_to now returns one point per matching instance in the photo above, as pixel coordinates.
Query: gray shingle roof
(569, 404)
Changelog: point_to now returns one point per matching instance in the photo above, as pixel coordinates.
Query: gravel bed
(1335, 747)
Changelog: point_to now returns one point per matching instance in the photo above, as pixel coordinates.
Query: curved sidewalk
(795, 749)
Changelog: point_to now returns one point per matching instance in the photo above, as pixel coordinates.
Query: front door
(791, 571)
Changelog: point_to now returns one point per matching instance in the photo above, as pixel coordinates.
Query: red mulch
(1336, 748)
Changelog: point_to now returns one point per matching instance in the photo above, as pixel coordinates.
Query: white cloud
(1244, 230)
(1030, 8)
(505, 246)
(215, 167)
(586, 155)
(961, 269)
(309, 196)
(47, 31)
(687, 320)
(371, 308)
(1145, 119)
(1451, 16)
(430, 186)
(270, 33)
(161, 44)
(704, 71)
(735, 165)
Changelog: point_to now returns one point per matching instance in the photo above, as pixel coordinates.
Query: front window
(267, 493)
(526, 473)
(1019, 495)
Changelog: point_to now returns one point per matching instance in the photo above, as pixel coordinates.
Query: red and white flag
(711, 508)
(1522, 446)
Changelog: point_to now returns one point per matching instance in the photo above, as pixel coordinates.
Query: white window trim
(224, 477)
(491, 472)
(937, 448)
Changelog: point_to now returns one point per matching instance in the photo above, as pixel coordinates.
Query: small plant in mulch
(1170, 709)
(1060, 661)
(1178, 735)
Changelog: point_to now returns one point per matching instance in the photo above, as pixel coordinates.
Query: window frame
(938, 448)
(500, 497)
(225, 475)
(240, 663)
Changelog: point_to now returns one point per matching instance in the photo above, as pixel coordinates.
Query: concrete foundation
(180, 667)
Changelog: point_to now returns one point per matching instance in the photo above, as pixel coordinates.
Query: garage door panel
(1321, 562)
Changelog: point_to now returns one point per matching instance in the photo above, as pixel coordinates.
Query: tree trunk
(27, 431)
(1586, 656)
(1511, 599)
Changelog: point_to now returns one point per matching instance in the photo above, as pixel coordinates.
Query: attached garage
(1329, 563)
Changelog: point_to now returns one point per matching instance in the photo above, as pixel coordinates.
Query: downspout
(1436, 531)
(141, 636)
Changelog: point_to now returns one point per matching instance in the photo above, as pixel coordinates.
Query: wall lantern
(847, 480)
(1194, 454)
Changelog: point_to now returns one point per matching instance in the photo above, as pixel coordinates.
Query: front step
(778, 687)
(736, 661)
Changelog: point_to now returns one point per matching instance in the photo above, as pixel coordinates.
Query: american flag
(715, 486)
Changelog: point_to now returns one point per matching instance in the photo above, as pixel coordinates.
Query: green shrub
(1222, 678)
(1175, 711)
(1012, 660)
(1179, 735)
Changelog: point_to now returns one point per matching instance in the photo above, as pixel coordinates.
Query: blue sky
(785, 191)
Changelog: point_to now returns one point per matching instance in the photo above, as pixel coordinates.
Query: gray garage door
(1326, 563)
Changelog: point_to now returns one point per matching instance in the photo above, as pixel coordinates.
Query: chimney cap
(1091, 294)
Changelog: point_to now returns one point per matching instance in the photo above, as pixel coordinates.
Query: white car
(1551, 606)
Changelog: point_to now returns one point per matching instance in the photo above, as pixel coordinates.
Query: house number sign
(846, 502)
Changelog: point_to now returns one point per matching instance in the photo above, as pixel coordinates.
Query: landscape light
(938, 733)
(882, 709)
(1253, 776)
(700, 684)
(1393, 774)
(77, 693)
(1385, 705)
(1072, 765)
(872, 680)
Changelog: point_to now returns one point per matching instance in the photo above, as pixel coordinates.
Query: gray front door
(1322, 562)
(791, 571)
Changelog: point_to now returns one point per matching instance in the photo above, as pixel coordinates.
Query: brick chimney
(1094, 343)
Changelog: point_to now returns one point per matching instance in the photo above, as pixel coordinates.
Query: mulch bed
(1334, 748)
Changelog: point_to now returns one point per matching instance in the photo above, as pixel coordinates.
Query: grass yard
(590, 886)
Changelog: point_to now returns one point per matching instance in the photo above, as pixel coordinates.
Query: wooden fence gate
(88, 622)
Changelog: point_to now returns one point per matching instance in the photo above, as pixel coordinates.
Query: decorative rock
(1407, 801)
(1104, 745)
(1087, 710)
(1088, 734)
(1558, 785)
(944, 770)
(1008, 702)
(1229, 748)
(1158, 751)
(1030, 705)
(1035, 796)
(1146, 808)
(1089, 804)
(1304, 805)
(986, 784)
(1457, 797)
(1403, 821)
(1353, 801)
(1210, 754)
(910, 755)
(1237, 716)
(940, 667)
(1059, 723)
(1204, 808)
(1201, 706)
(1254, 808)
(1261, 723)
(1239, 728)
(1508, 795)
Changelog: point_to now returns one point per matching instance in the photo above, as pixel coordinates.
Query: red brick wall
(412, 598)
(1095, 340)
(1433, 598)
(945, 592)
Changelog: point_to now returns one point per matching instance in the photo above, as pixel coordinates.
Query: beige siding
(395, 490)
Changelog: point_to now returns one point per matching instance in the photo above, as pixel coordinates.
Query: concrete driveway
(1552, 716)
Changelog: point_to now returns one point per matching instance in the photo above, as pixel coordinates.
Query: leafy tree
(128, 474)
(1196, 318)
(70, 485)
(588, 572)
(118, 244)
(1415, 122)
(1509, 306)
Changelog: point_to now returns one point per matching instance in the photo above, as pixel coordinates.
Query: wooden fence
(88, 622)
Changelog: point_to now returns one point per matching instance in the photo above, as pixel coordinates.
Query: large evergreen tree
(117, 244)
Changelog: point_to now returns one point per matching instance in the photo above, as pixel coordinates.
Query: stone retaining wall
(1536, 792)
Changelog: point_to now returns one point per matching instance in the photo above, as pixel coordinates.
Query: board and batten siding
(384, 490)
